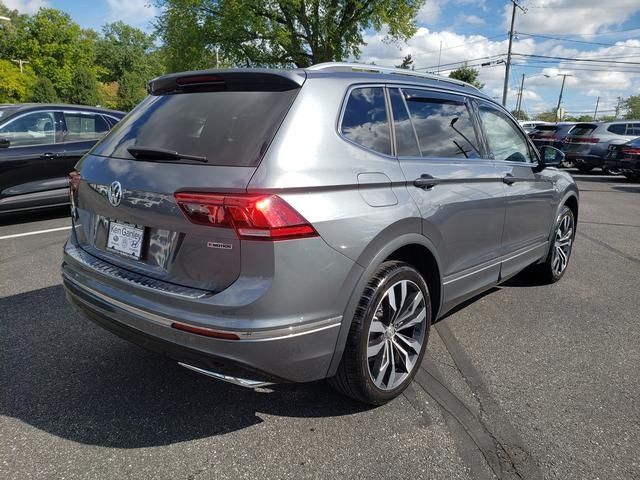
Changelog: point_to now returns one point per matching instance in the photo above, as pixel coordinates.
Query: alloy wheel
(396, 334)
(562, 245)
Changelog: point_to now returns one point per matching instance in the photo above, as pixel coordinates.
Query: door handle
(49, 155)
(509, 179)
(426, 181)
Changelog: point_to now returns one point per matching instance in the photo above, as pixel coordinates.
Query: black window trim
(343, 108)
(447, 95)
(533, 152)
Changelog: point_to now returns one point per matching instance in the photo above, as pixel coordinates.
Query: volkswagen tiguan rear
(258, 227)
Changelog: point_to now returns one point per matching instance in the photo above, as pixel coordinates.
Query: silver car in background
(264, 226)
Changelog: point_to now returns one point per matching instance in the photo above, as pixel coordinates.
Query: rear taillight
(631, 151)
(74, 181)
(256, 217)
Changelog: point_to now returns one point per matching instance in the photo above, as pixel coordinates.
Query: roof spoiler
(249, 79)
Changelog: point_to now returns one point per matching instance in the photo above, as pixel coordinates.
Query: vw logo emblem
(115, 193)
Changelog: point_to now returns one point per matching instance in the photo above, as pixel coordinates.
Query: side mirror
(4, 143)
(550, 157)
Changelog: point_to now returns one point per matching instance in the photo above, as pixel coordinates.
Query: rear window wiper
(162, 154)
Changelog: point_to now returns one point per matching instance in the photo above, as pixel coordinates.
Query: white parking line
(38, 232)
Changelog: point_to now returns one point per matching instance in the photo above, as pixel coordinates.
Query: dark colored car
(553, 135)
(39, 146)
(625, 159)
(587, 144)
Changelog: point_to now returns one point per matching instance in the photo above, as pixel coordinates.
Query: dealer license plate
(125, 239)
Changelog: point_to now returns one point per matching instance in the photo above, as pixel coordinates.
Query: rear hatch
(199, 132)
(581, 138)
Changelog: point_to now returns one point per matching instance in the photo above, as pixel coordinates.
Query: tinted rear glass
(6, 111)
(583, 129)
(365, 120)
(230, 128)
(618, 129)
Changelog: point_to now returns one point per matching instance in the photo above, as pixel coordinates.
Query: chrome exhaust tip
(243, 382)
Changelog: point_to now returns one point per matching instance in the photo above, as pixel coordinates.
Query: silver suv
(264, 226)
(587, 144)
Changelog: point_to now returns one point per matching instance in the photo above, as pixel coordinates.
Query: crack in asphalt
(609, 247)
(509, 449)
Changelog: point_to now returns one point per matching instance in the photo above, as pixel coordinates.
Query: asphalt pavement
(526, 381)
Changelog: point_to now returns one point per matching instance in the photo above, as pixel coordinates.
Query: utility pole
(564, 78)
(508, 65)
(439, 57)
(619, 104)
(519, 103)
(595, 113)
(20, 62)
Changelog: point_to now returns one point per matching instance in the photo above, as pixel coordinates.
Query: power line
(593, 60)
(575, 41)
(425, 54)
(610, 32)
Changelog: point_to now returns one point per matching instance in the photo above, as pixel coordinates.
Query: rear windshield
(583, 129)
(229, 128)
(6, 111)
(545, 130)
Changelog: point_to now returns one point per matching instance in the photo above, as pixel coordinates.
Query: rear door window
(37, 128)
(443, 125)
(505, 140)
(406, 141)
(82, 126)
(365, 120)
(618, 129)
(228, 127)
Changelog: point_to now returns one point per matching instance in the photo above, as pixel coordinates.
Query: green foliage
(520, 114)
(125, 49)
(15, 87)
(44, 92)
(84, 90)
(407, 63)
(632, 107)
(131, 90)
(580, 118)
(467, 74)
(283, 33)
(548, 116)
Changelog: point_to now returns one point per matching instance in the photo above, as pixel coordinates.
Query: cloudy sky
(605, 32)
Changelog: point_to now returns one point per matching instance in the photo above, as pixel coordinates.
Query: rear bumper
(293, 353)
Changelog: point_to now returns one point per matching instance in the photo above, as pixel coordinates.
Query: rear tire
(385, 346)
(559, 253)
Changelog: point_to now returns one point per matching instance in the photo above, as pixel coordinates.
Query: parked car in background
(553, 134)
(267, 226)
(587, 144)
(530, 125)
(39, 146)
(625, 159)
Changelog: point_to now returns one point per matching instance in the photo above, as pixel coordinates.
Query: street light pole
(519, 103)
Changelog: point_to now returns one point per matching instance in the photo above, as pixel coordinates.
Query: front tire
(388, 336)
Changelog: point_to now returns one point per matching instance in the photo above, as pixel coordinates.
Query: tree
(520, 114)
(44, 91)
(407, 63)
(84, 90)
(131, 90)
(56, 47)
(277, 33)
(548, 116)
(123, 49)
(632, 106)
(467, 74)
(14, 85)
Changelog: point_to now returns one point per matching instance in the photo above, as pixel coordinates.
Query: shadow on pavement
(62, 374)
(34, 216)
(627, 188)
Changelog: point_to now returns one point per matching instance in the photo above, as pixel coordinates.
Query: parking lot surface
(526, 381)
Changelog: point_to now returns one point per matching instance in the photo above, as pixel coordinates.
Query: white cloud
(569, 16)
(472, 20)
(135, 12)
(429, 13)
(26, 6)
